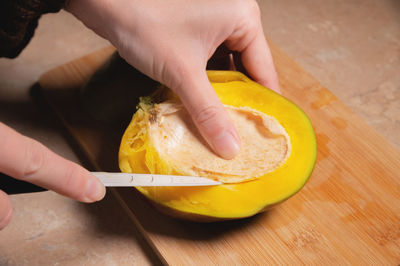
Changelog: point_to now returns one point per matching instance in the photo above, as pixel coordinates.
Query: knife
(14, 186)
(150, 180)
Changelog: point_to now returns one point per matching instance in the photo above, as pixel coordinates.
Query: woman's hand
(28, 160)
(171, 42)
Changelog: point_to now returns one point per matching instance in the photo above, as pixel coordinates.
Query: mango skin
(228, 201)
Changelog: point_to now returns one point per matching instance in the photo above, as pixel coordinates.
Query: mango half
(278, 142)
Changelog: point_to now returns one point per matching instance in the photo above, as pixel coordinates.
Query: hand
(28, 160)
(171, 41)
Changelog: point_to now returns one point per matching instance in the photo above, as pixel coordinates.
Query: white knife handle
(129, 179)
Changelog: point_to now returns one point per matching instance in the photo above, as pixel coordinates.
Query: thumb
(28, 160)
(209, 115)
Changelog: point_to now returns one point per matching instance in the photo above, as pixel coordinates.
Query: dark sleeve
(18, 21)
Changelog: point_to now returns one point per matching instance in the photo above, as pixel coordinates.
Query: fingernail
(226, 145)
(95, 190)
(6, 220)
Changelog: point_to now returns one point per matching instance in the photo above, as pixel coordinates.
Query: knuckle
(248, 9)
(252, 20)
(72, 182)
(254, 9)
(248, 25)
(35, 158)
(207, 116)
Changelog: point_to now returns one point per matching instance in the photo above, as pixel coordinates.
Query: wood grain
(348, 213)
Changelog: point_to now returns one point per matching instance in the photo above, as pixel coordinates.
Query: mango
(278, 151)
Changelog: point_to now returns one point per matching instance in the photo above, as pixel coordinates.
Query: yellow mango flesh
(228, 201)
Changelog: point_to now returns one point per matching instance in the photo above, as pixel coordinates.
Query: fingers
(248, 39)
(254, 59)
(6, 210)
(28, 160)
(209, 115)
(257, 60)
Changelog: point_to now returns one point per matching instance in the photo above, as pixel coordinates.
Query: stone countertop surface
(352, 47)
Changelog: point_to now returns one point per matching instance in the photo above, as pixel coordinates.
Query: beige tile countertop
(352, 47)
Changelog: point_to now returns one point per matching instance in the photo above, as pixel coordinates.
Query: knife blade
(150, 180)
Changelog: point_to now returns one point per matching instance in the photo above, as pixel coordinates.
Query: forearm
(18, 21)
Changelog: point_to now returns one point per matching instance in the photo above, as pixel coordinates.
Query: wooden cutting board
(348, 213)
